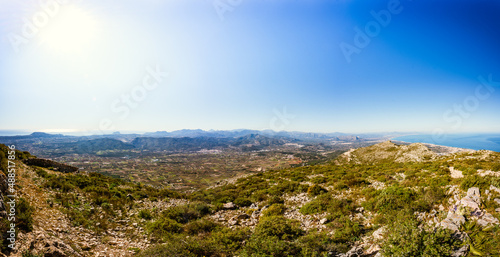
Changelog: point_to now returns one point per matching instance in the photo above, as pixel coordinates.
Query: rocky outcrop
(387, 151)
(469, 206)
(51, 247)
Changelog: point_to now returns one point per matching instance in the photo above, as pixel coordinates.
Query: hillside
(387, 152)
(382, 200)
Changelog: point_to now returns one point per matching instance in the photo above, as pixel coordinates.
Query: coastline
(439, 149)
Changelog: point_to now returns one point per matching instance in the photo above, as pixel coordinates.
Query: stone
(456, 218)
(378, 234)
(356, 251)
(497, 209)
(470, 202)
(372, 249)
(229, 206)
(461, 252)
(456, 173)
(494, 188)
(473, 191)
(487, 219)
(448, 224)
(497, 200)
(323, 221)
(233, 222)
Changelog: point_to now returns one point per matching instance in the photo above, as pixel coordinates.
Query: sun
(71, 31)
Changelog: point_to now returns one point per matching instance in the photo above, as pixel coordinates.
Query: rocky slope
(382, 200)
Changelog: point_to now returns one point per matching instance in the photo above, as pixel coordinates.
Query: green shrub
(394, 198)
(482, 241)
(145, 214)
(275, 199)
(277, 226)
(185, 213)
(24, 215)
(274, 210)
(346, 231)
(269, 246)
(200, 226)
(242, 202)
(319, 180)
(473, 181)
(315, 190)
(406, 238)
(162, 227)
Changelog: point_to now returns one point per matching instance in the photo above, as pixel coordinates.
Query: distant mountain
(45, 144)
(43, 134)
(308, 136)
(252, 141)
(92, 146)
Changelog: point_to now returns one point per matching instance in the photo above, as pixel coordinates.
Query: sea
(468, 141)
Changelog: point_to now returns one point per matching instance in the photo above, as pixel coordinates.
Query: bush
(274, 210)
(185, 213)
(242, 202)
(24, 218)
(200, 226)
(275, 199)
(277, 226)
(394, 198)
(406, 238)
(145, 214)
(162, 227)
(473, 181)
(316, 190)
(346, 231)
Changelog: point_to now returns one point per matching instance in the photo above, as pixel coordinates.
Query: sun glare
(71, 31)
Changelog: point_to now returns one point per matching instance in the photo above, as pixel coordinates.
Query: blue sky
(101, 65)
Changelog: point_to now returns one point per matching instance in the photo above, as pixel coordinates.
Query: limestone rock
(356, 251)
(473, 191)
(494, 188)
(229, 206)
(461, 252)
(379, 233)
(453, 221)
(472, 200)
(487, 219)
(456, 173)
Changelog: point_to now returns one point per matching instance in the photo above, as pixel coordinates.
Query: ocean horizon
(489, 141)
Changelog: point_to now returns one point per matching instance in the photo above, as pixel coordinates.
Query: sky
(348, 66)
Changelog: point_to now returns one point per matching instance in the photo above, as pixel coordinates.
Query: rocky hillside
(388, 152)
(383, 200)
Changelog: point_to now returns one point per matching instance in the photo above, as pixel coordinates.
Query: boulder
(356, 251)
(456, 173)
(453, 221)
(487, 219)
(473, 191)
(379, 233)
(229, 206)
(448, 224)
(472, 203)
